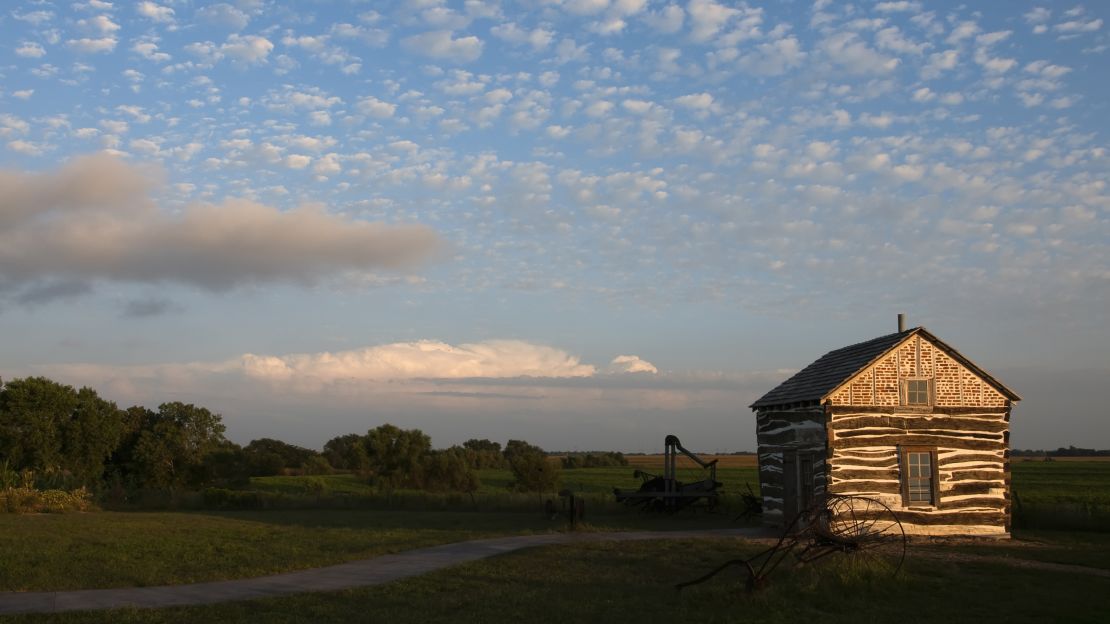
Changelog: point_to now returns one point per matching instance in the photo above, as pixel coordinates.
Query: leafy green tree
(396, 455)
(532, 472)
(482, 454)
(475, 444)
(90, 436)
(348, 452)
(449, 471)
(267, 456)
(51, 428)
(171, 448)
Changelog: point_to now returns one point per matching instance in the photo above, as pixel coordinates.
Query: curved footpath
(362, 573)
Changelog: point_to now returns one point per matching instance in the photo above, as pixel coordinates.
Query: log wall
(781, 433)
(972, 459)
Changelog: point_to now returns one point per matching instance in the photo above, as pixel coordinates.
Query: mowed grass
(129, 549)
(112, 549)
(633, 582)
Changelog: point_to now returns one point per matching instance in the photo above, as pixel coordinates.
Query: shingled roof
(813, 382)
(816, 381)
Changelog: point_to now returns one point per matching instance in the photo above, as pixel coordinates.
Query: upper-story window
(917, 392)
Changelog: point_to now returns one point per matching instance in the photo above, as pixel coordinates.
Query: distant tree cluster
(393, 458)
(1071, 451)
(69, 438)
(594, 460)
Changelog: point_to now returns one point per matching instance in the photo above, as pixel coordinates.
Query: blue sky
(586, 223)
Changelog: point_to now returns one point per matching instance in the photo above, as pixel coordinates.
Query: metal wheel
(866, 530)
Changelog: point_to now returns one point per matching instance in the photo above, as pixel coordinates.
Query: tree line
(69, 438)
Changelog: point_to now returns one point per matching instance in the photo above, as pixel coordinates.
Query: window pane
(919, 480)
(917, 392)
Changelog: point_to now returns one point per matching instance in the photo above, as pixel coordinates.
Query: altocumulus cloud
(93, 220)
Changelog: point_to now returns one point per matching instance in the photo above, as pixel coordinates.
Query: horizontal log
(918, 440)
(976, 475)
(931, 431)
(951, 517)
(983, 501)
(961, 489)
(861, 485)
(946, 457)
(985, 412)
(920, 422)
(853, 475)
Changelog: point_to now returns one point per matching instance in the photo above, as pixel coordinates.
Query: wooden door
(789, 487)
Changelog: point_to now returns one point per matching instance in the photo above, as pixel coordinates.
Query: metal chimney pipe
(901, 322)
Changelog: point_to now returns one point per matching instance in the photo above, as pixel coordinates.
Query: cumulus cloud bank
(424, 359)
(93, 219)
(631, 364)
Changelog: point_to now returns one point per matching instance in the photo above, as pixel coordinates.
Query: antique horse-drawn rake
(861, 528)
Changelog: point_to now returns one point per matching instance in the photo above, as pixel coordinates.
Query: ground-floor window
(919, 476)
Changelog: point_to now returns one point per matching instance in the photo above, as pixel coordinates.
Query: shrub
(449, 471)
(316, 465)
(30, 500)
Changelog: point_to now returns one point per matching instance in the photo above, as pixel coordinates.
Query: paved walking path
(374, 571)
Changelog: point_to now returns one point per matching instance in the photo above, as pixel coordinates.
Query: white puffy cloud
(847, 50)
(939, 62)
(374, 107)
(667, 20)
(1078, 26)
(225, 15)
(248, 49)
(92, 220)
(30, 50)
(155, 12)
(707, 18)
(100, 24)
(537, 38)
(443, 45)
(773, 58)
(149, 51)
(92, 46)
(631, 364)
(424, 359)
(901, 6)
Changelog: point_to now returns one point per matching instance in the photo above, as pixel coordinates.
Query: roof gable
(828, 373)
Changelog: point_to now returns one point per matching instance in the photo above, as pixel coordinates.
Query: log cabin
(904, 419)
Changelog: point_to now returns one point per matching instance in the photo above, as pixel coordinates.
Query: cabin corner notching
(904, 419)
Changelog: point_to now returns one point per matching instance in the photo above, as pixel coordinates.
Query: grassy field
(114, 549)
(634, 582)
(1062, 481)
(734, 474)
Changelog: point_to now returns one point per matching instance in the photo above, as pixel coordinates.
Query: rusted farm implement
(863, 529)
(666, 492)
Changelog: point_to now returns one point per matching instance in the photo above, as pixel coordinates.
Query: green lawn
(113, 549)
(634, 583)
(123, 549)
